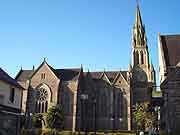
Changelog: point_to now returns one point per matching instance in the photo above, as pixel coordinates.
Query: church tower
(143, 72)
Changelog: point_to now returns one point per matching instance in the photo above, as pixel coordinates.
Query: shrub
(50, 132)
(30, 132)
(55, 117)
(38, 120)
(57, 132)
(23, 121)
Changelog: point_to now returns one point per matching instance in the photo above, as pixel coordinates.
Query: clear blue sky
(95, 33)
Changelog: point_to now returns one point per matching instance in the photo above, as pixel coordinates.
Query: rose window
(42, 94)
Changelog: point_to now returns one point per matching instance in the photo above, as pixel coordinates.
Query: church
(92, 100)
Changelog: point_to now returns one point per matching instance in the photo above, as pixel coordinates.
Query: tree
(144, 117)
(55, 117)
(38, 120)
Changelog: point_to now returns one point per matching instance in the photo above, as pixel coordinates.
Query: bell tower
(142, 74)
(140, 54)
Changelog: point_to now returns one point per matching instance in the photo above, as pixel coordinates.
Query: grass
(156, 93)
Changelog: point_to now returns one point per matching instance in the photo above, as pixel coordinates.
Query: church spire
(138, 22)
(140, 55)
(139, 36)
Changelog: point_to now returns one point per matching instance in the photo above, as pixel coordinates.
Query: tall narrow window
(120, 98)
(43, 76)
(142, 57)
(12, 93)
(36, 107)
(39, 107)
(152, 76)
(137, 57)
(46, 106)
(42, 107)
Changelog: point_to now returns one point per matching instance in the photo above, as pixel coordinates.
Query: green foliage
(57, 132)
(55, 117)
(30, 132)
(50, 132)
(38, 120)
(162, 132)
(156, 93)
(22, 121)
(144, 119)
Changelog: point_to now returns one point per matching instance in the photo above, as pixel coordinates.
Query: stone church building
(169, 65)
(92, 100)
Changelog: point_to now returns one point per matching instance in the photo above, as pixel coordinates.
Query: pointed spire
(81, 67)
(44, 60)
(33, 67)
(88, 70)
(138, 21)
(151, 66)
(139, 36)
(130, 67)
(104, 70)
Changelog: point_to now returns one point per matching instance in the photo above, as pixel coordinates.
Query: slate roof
(171, 49)
(24, 75)
(6, 78)
(110, 74)
(70, 74)
(64, 74)
(67, 74)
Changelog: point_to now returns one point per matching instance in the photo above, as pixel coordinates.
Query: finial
(44, 59)
(21, 68)
(104, 69)
(137, 3)
(81, 68)
(88, 70)
(33, 67)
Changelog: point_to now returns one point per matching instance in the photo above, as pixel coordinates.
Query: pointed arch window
(152, 76)
(42, 103)
(42, 107)
(142, 57)
(137, 57)
(46, 106)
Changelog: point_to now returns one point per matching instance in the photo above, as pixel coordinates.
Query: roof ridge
(169, 35)
(66, 68)
(7, 78)
(108, 71)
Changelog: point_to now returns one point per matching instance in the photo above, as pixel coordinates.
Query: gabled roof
(68, 74)
(63, 74)
(171, 49)
(24, 75)
(6, 78)
(110, 74)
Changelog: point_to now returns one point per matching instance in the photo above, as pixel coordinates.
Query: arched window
(46, 106)
(39, 107)
(142, 57)
(42, 107)
(152, 76)
(137, 57)
(41, 100)
(36, 107)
